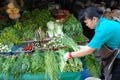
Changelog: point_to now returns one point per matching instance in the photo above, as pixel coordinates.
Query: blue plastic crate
(20, 48)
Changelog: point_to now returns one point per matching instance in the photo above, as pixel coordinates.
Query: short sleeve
(99, 39)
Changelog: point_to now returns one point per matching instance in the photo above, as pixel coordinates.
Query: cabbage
(54, 28)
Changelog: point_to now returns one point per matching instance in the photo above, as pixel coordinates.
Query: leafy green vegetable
(16, 68)
(72, 27)
(7, 65)
(10, 34)
(41, 17)
(92, 65)
(51, 65)
(1, 62)
(72, 65)
(79, 38)
(37, 62)
(68, 41)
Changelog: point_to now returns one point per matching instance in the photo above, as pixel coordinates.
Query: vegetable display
(37, 26)
(50, 63)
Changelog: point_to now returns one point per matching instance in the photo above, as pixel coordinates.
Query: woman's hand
(66, 56)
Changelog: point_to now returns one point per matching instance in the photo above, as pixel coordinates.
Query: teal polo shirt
(106, 31)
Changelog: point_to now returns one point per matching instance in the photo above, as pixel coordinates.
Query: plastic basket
(20, 48)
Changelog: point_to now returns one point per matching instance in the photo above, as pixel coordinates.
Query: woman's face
(91, 23)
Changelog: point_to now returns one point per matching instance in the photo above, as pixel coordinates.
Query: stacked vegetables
(72, 65)
(10, 34)
(51, 62)
(12, 11)
(54, 28)
(18, 65)
(51, 65)
(40, 34)
(54, 43)
(4, 48)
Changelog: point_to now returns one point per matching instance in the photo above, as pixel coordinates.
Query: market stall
(32, 45)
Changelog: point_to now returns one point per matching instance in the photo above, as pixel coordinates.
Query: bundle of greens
(41, 17)
(92, 65)
(20, 66)
(28, 32)
(1, 62)
(51, 65)
(72, 65)
(71, 26)
(37, 62)
(10, 34)
(7, 65)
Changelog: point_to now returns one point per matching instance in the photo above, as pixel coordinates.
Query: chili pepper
(28, 47)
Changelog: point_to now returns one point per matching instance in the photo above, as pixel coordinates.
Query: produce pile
(52, 39)
(49, 62)
(13, 11)
(38, 25)
(4, 48)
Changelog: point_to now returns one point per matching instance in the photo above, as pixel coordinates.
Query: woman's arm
(80, 53)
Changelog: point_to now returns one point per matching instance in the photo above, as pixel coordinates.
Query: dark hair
(90, 12)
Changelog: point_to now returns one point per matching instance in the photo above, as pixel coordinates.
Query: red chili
(28, 47)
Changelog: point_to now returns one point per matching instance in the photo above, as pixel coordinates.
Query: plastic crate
(59, 14)
(20, 48)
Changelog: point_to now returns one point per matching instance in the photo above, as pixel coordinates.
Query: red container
(59, 14)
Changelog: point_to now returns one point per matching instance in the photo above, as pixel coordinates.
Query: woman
(106, 32)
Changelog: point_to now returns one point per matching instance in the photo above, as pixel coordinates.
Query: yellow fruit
(15, 10)
(9, 11)
(10, 5)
